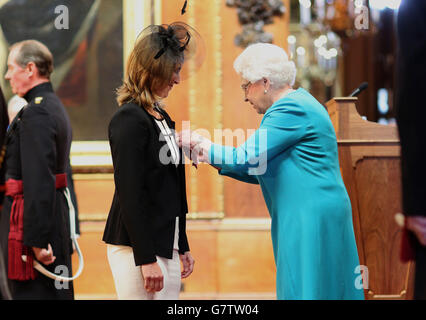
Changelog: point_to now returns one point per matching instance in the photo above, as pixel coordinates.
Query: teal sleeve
(280, 129)
(239, 176)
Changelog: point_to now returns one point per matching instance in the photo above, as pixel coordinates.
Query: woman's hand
(187, 139)
(418, 226)
(195, 145)
(187, 263)
(44, 256)
(153, 277)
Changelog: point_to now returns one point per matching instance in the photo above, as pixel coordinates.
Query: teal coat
(293, 156)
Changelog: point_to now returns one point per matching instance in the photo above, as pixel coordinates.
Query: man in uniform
(34, 221)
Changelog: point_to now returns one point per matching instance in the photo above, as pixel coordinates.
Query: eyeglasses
(245, 86)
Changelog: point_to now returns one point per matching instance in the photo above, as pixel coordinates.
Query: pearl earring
(266, 91)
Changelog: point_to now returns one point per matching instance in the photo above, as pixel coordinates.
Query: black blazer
(149, 195)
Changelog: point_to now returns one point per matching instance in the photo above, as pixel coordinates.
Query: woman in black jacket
(146, 227)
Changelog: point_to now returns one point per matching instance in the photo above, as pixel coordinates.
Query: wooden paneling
(359, 63)
(380, 233)
(94, 193)
(96, 281)
(204, 249)
(247, 265)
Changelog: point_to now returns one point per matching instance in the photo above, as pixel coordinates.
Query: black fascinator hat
(177, 43)
(159, 52)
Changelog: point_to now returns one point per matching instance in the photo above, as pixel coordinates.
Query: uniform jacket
(38, 150)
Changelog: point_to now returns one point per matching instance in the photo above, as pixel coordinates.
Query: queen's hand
(194, 145)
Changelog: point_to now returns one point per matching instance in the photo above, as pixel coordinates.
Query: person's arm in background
(4, 122)
(38, 161)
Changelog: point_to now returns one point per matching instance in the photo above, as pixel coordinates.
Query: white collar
(289, 90)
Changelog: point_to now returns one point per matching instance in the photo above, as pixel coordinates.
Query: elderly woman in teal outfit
(293, 157)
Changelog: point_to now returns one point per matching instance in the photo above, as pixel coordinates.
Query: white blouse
(170, 139)
(174, 149)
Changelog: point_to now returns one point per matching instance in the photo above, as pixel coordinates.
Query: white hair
(265, 60)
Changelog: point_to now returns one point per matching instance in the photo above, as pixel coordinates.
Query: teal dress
(293, 157)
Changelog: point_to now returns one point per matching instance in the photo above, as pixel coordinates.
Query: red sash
(17, 268)
(408, 245)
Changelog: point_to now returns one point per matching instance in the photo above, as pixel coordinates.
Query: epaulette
(38, 100)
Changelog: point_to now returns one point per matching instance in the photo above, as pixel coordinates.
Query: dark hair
(34, 51)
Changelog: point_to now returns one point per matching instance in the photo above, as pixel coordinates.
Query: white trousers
(128, 279)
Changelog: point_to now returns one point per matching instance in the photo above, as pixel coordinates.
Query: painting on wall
(86, 40)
